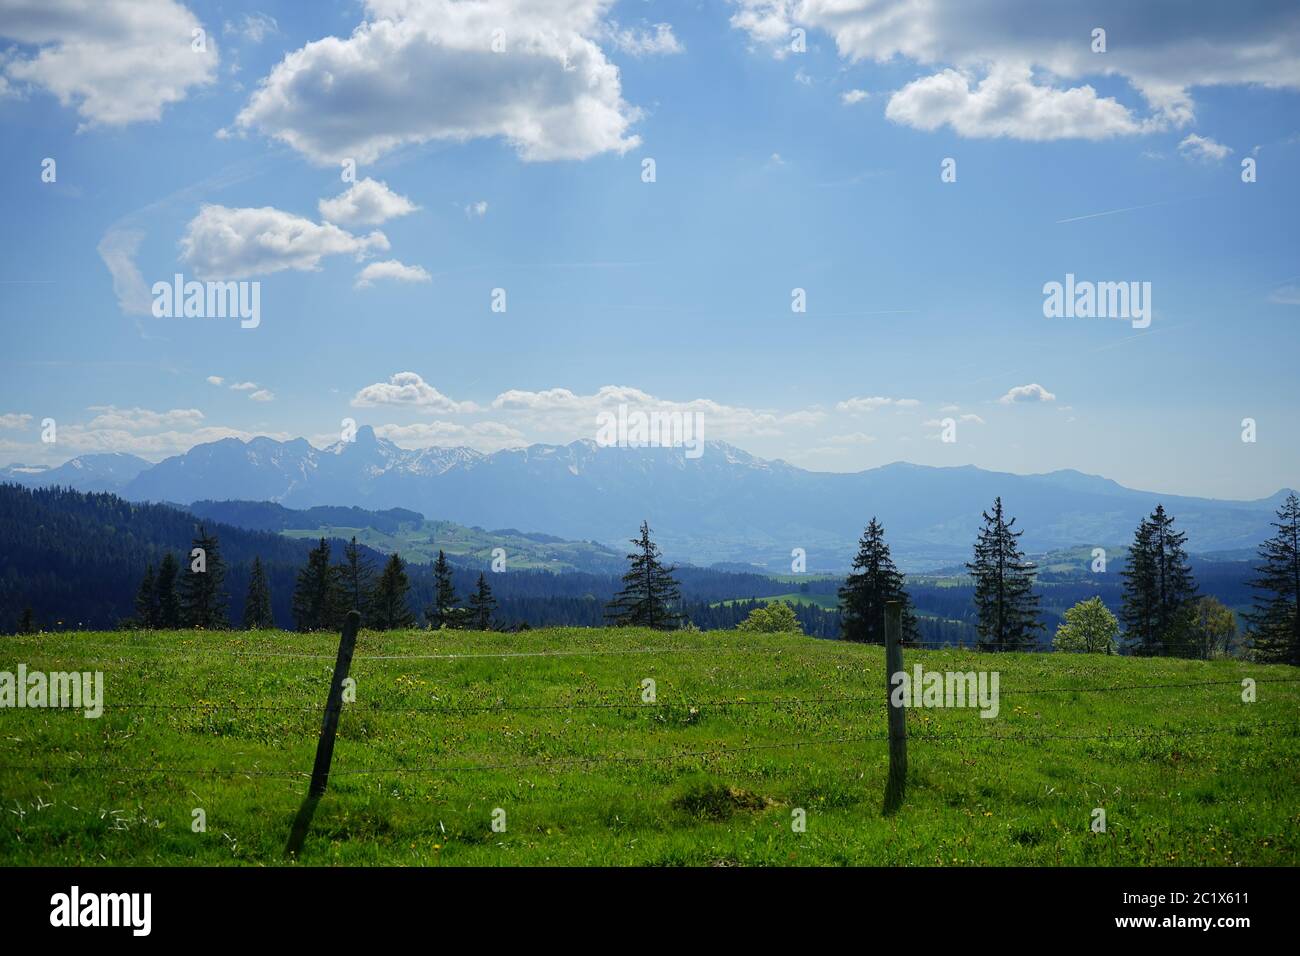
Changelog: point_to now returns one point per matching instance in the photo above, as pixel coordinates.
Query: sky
(651, 189)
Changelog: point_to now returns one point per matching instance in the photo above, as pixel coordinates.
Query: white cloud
(79, 439)
(563, 413)
(253, 27)
(849, 97)
(117, 61)
(485, 436)
(417, 72)
(1203, 149)
(262, 395)
(853, 438)
(215, 380)
(15, 420)
(478, 209)
(1288, 294)
(391, 269)
(365, 203)
(1007, 102)
(1027, 393)
(410, 390)
(243, 386)
(141, 419)
(226, 243)
(118, 250)
(857, 405)
(1162, 60)
(641, 42)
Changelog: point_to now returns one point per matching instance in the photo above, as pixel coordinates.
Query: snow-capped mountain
(725, 505)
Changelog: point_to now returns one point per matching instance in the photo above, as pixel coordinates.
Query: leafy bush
(775, 618)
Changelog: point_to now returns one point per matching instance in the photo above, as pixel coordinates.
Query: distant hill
(725, 506)
(417, 538)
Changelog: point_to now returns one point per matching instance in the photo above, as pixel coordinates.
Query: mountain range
(724, 506)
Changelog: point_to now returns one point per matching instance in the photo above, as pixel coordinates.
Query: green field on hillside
(420, 542)
(549, 728)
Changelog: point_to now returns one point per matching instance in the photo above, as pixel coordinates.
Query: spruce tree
(873, 582)
(481, 606)
(203, 585)
(444, 612)
(650, 595)
(257, 606)
(1005, 603)
(1275, 617)
(169, 608)
(1158, 590)
(146, 600)
(355, 578)
(388, 607)
(317, 597)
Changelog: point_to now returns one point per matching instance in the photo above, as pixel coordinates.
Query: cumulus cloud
(215, 380)
(849, 97)
(856, 405)
(118, 250)
(225, 243)
(116, 61)
(415, 72)
(1203, 149)
(391, 269)
(1007, 102)
(243, 386)
(365, 203)
(262, 395)
(408, 389)
(1027, 393)
(477, 209)
(14, 420)
(1034, 53)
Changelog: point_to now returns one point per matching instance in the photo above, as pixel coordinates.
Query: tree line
(1162, 613)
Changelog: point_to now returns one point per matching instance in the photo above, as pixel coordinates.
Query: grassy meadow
(549, 726)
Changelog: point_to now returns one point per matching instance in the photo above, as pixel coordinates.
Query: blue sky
(774, 170)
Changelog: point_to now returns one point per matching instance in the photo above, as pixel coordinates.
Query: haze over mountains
(726, 505)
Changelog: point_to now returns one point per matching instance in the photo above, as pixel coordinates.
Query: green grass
(420, 542)
(689, 781)
(827, 602)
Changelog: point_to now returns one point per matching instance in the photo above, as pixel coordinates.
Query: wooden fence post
(320, 773)
(896, 786)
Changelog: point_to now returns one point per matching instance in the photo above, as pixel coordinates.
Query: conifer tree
(388, 607)
(1005, 603)
(650, 596)
(1275, 617)
(873, 583)
(356, 578)
(203, 584)
(481, 606)
(169, 608)
(317, 597)
(257, 607)
(146, 600)
(444, 612)
(1158, 590)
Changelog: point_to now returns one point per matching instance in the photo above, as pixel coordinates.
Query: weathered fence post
(896, 785)
(320, 773)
